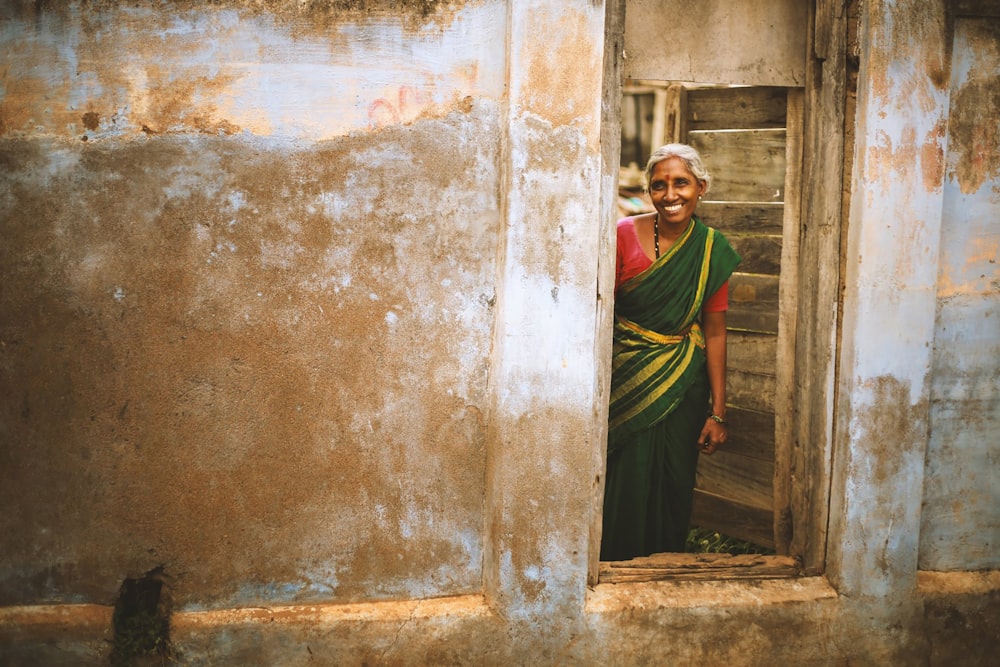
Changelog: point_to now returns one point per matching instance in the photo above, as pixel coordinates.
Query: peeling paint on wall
(976, 100)
(230, 69)
(960, 527)
(248, 308)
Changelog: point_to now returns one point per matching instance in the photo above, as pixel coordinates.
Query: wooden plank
(784, 396)
(611, 95)
(725, 108)
(760, 253)
(754, 391)
(751, 433)
(658, 126)
(675, 125)
(818, 285)
(753, 317)
(762, 217)
(740, 478)
(738, 520)
(826, 12)
(636, 114)
(753, 303)
(663, 567)
(754, 352)
(746, 287)
(746, 165)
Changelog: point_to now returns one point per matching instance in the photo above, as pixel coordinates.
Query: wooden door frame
(808, 319)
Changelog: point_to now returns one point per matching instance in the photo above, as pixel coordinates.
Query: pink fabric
(632, 261)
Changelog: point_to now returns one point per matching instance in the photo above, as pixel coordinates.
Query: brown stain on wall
(205, 368)
(319, 14)
(172, 103)
(911, 37)
(908, 38)
(932, 159)
(893, 454)
(898, 159)
(558, 90)
(91, 120)
(975, 108)
(157, 90)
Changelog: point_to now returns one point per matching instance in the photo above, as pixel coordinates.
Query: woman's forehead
(671, 167)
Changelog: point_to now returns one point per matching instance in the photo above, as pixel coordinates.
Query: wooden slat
(661, 567)
(785, 397)
(611, 95)
(637, 110)
(827, 11)
(745, 287)
(760, 253)
(754, 352)
(740, 478)
(754, 391)
(753, 317)
(745, 165)
(743, 522)
(751, 433)
(763, 218)
(736, 108)
(659, 124)
(823, 181)
(753, 303)
(675, 126)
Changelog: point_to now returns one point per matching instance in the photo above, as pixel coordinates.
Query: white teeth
(672, 209)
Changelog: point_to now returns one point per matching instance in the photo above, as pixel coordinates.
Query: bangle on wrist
(717, 419)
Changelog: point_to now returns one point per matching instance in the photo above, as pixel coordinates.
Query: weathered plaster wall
(889, 299)
(481, 429)
(960, 525)
(248, 286)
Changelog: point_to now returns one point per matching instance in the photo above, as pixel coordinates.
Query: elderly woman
(671, 297)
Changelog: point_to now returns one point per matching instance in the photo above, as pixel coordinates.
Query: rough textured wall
(890, 285)
(247, 285)
(960, 527)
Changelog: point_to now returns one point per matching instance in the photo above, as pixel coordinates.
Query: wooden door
(741, 134)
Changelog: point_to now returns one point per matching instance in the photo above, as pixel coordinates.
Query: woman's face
(674, 190)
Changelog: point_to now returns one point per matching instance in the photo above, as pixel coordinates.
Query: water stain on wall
(258, 365)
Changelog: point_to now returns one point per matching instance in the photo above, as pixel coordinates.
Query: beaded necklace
(656, 235)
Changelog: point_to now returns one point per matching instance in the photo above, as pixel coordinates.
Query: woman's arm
(713, 433)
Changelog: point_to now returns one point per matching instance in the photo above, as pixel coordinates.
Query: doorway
(742, 132)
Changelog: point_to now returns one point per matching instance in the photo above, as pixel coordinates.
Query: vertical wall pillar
(543, 379)
(891, 268)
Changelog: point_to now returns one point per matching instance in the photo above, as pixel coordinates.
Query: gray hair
(689, 156)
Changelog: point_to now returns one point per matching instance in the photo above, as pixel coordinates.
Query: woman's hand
(713, 435)
(714, 432)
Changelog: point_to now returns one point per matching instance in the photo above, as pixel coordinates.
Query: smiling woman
(747, 138)
(669, 356)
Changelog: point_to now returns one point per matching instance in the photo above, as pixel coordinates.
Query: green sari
(659, 395)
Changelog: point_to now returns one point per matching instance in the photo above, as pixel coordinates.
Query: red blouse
(632, 261)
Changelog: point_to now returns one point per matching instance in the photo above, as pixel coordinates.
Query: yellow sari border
(665, 257)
